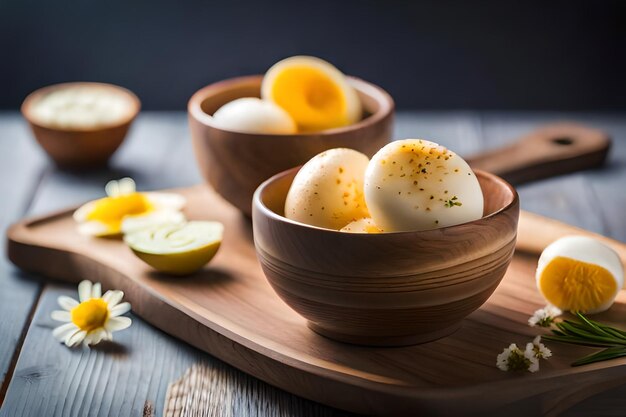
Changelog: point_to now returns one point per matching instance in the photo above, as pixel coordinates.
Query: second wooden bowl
(236, 163)
(386, 289)
(81, 147)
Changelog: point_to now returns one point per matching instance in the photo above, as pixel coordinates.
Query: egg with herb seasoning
(328, 190)
(415, 184)
(578, 273)
(253, 115)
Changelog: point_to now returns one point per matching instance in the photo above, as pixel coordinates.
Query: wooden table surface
(40, 377)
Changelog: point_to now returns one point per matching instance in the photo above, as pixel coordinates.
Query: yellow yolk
(575, 285)
(91, 314)
(311, 97)
(112, 210)
(372, 229)
(363, 225)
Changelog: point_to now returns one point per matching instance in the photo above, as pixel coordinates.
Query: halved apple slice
(177, 249)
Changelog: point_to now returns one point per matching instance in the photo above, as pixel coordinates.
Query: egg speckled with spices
(328, 190)
(415, 184)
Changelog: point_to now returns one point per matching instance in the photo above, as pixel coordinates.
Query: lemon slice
(578, 273)
(315, 93)
(177, 249)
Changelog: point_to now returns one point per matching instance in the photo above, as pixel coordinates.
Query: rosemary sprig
(587, 332)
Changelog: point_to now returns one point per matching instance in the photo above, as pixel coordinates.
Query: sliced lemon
(177, 249)
(578, 273)
(315, 93)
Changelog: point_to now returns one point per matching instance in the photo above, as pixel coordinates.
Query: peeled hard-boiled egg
(253, 115)
(414, 184)
(328, 190)
(578, 273)
(315, 93)
(364, 225)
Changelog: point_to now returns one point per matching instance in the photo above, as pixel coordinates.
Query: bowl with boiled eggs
(388, 251)
(247, 129)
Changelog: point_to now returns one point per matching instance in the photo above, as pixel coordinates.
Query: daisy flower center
(91, 314)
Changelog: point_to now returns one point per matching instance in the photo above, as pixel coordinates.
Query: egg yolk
(91, 314)
(311, 97)
(575, 285)
(111, 210)
(372, 229)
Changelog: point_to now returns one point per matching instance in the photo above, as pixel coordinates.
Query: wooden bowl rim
(384, 100)
(259, 205)
(27, 104)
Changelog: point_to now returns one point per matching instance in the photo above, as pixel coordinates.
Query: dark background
(559, 55)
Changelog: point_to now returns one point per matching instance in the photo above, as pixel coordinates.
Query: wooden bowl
(387, 289)
(80, 147)
(236, 163)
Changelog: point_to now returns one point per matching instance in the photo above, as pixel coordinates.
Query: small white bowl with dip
(81, 124)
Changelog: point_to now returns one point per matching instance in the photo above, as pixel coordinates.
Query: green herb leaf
(587, 332)
(603, 355)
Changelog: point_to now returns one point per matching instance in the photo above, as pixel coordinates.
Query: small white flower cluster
(515, 359)
(544, 317)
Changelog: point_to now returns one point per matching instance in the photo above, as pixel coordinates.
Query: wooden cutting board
(229, 310)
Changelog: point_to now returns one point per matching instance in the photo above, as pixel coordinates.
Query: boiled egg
(579, 273)
(253, 115)
(328, 190)
(315, 93)
(414, 184)
(364, 225)
(125, 210)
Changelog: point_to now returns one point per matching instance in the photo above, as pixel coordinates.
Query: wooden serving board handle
(551, 150)
(535, 232)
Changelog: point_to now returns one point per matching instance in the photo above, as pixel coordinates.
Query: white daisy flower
(533, 361)
(514, 359)
(538, 349)
(544, 317)
(125, 210)
(93, 319)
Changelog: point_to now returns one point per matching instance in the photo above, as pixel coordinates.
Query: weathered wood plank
(120, 378)
(21, 168)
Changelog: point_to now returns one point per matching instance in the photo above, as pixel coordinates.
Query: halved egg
(315, 93)
(414, 184)
(125, 210)
(578, 273)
